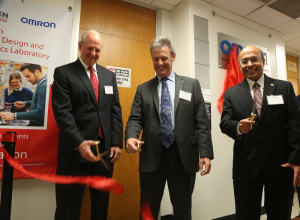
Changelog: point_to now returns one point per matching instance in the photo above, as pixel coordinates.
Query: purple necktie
(257, 94)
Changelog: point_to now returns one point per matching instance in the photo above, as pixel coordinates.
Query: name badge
(185, 95)
(275, 100)
(108, 90)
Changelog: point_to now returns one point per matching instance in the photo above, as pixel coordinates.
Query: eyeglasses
(253, 60)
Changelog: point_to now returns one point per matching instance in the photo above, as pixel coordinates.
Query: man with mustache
(267, 145)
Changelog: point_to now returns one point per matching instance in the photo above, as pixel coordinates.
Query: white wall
(164, 28)
(213, 195)
(181, 36)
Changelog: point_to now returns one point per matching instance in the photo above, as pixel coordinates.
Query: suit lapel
(269, 89)
(101, 80)
(153, 89)
(81, 72)
(178, 86)
(244, 91)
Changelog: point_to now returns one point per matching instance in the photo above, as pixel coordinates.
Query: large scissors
(99, 156)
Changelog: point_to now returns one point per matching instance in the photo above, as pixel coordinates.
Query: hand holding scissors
(133, 145)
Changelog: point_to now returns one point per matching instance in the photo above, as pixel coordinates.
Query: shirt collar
(170, 77)
(86, 66)
(41, 80)
(260, 81)
(20, 89)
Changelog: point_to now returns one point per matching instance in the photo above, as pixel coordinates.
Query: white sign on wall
(292, 66)
(123, 76)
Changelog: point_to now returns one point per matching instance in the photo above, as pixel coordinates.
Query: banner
(36, 34)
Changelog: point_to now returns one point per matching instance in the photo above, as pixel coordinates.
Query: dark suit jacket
(77, 112)
(192, 131)
(275, 136)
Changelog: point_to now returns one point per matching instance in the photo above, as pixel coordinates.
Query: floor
(295, 209)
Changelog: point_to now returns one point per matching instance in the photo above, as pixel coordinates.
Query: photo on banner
(14, 88)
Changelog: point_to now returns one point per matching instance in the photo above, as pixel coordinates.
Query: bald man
(266, 147)
(86, 106)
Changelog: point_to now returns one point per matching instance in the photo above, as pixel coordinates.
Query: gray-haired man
(171, 112)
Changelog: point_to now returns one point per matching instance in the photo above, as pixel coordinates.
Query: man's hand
(207, 164)
(245, 125)
(296, 169)
(19, 105)
(7, 116)
(86, 152)
(131, 145)
(115, 153)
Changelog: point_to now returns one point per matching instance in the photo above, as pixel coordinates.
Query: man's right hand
(131, 145)
(86, 152)
(19, 105)
(245, 125)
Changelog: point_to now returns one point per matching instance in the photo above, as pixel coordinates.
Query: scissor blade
(100, 157)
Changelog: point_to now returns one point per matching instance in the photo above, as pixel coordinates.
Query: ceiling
(280, 15)
(155, 4)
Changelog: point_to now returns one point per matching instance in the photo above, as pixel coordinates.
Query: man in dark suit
(82, 119)
(266, 149)
(171, 112)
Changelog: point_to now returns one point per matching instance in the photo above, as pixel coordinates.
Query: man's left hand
(207, 164)
(7, 116)
(296, 169)
(115, 153)
(19, 105)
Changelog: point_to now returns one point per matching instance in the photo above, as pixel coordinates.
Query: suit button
(259, 128)
(260, 146)
(97, 129)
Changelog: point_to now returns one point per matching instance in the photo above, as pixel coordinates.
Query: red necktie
(95, 85)
(257, 94)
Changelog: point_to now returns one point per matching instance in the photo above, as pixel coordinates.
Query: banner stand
(9, 142)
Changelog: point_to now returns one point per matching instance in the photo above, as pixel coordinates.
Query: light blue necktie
(167, 135)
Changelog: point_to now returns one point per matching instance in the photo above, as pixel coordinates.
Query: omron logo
(3, 16)
(38, 23)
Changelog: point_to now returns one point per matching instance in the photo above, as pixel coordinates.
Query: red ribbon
(97, 182)
(146, 212)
